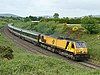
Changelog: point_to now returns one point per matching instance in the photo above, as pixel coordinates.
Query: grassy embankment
(2, 23)
(92, 40)
(26, 63)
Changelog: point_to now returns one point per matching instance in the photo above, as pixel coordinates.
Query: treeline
(32, 18)
(67, 20)
(75, 20)
(64, 20)
(90, 23)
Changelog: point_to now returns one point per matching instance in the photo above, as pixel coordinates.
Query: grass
(26, 63)
(93, 44)
(2, 23)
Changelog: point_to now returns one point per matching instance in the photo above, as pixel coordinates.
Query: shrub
(6, 52)
(46, 27)
(90, 24)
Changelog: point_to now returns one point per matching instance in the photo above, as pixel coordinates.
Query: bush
(90, 24)
(6, 52)
(46, 27)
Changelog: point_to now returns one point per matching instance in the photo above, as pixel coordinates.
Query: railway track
(37, 50)
(89, 64)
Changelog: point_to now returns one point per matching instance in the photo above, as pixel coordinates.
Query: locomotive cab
(80, 48)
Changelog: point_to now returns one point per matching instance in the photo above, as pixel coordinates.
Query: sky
(65, 8)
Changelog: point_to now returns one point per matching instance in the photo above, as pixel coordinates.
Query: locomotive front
(81, 50)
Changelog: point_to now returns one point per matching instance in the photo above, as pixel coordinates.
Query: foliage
(32, 18)
(63, 20)
(74, 20)
(56, 15)
(46, 27)
(2, 22)
(26, 19)
(52, 28)
(6, 52)
(93, 45)
(90, 24)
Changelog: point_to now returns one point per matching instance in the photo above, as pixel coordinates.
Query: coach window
(73, 45)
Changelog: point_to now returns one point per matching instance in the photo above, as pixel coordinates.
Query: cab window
(72, 45)
(80, 45)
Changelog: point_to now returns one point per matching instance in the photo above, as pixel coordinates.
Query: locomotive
(70, 48)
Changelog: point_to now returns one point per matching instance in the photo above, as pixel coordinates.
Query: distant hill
(9, 15)
(96, 15)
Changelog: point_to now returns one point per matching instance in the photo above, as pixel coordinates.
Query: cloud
(49, 7)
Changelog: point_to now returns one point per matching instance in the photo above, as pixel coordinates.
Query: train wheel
(53, 50)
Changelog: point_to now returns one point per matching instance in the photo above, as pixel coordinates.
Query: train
(71, 48)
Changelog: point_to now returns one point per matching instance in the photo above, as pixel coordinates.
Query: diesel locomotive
(70, 48)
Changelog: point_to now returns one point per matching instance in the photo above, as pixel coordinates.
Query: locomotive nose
(81, 51)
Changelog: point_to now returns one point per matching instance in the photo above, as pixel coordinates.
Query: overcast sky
(65, 8)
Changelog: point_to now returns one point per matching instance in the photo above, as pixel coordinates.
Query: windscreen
(80, 45)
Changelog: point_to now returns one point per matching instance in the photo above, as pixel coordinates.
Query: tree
(56, 15)
(33, 18)
(26, 19)
(90, 23)
(39, 18)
